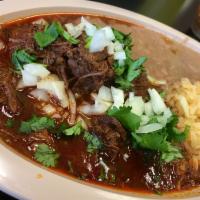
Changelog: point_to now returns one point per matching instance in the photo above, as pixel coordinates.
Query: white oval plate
(25, 180)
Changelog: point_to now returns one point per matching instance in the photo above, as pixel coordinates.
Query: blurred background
(183, 15)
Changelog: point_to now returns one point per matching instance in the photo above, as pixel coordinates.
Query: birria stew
(76, 96)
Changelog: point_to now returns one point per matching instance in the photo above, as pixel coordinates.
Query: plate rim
(93, 7)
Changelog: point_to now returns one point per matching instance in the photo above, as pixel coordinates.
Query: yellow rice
(184, 99)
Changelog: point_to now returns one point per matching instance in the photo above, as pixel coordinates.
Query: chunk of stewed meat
(91, 70)
(110, 131)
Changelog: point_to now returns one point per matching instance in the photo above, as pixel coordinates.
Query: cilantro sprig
(36, 124)
(10, 123)
(162, 141)
(73, 130)
(93, 142)
(131, 69)
(46, 155)
(158, 142)
(51, 33)
(124, 115)
(21, 57)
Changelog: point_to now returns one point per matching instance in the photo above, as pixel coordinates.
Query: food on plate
(75, 98)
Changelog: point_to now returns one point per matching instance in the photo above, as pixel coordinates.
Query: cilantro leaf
(88, 42)
(163, 94)
(46, 155)
(74, 130)
(21, 57)
(52, 30)
(178, 136)
(172, 154)
(131, 69)
(118, 68)
(173, 133)
(43, 39)
(10, 123)
(157, 141)
(135, 68)
(58, 131)
(65, 34)
(118, 35)
(93, 142)
(124, 39)
(124, 115)
(123, 83)
(70, 38)
(51, 33)
(36, 124)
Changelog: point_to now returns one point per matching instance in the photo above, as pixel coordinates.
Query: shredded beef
(110, 131)
(39, 138)
(86, 71)
(90, 69)
(7, 89)
(22, 38)
(141, 85)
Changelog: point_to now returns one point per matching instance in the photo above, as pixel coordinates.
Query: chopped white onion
(96, 109)
(118, 97)
(31, 74)
(28, 79)
(118, 46)
(121, 62)
(98, 42)
(149, 128)
(117, 50)
(71, 29)
(164, 118)
(56, 88)
(148, 109)
(36, 69)
(39, 94)
(154, 81)
(40, 21)
(49, 109)
(109, 33)
(144, 120)
(104, 94)
(110, 48)
(120, 55)
(131, 95)
(51, 77)
(90, 29)
(72, 107)
(157, 102)
(137, 105)
(102, 102)
(75, 31)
